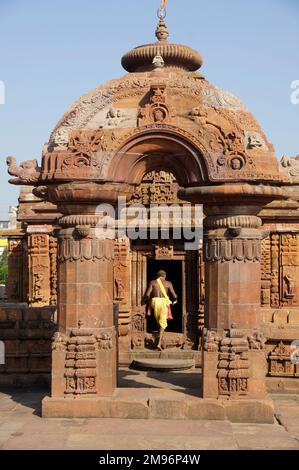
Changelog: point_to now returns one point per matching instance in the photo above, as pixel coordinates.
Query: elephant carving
(26, 172)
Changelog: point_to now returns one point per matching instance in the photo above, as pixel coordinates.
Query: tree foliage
(3, 267)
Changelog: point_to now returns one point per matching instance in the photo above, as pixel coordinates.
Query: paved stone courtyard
(21, 426)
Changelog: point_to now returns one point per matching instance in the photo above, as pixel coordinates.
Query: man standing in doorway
(160, 295)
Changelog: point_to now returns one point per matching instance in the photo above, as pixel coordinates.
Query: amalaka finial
(162, 33)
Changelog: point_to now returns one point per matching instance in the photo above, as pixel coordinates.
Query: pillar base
(160, 404)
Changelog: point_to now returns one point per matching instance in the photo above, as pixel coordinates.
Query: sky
(53, 51)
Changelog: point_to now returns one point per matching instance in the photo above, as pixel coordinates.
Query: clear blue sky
(53, 51)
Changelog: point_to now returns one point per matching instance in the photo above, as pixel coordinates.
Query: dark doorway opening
(174, 270)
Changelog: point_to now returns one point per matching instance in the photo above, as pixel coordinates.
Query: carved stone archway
(155, 148)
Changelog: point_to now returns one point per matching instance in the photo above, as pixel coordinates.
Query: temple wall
(27, 334)
(27, 320)
(280, 299)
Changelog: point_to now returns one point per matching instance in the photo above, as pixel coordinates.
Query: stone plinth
(159, 404)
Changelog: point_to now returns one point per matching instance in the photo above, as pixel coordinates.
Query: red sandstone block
(250, 411)
(31, 314)
(3, 314)
(198, 409)
(164, 408)
(14, 315)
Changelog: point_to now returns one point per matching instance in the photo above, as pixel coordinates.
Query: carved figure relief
(122, 275)
(80, 363)
(157, 110)
(266, 273)
(280, 270)
(53, 270)
(233, 364)
(254, 141)
(138, 331)
(39, 269)
(14, 286)
(164, 251)
(157, 187)
(280, 364)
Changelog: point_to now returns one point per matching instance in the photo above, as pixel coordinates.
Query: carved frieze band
(80, 220)
(85, 249)
(81, 358)
(235, 221)
(233, 366)
(237, 249)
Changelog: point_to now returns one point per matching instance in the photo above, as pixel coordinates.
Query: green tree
(3, 267)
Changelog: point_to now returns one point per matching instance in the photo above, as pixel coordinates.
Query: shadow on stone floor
(29, 398)
(188, 383)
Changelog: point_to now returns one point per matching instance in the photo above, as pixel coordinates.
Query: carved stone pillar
(53, 270)
(234, 359)
(232, 250)
(17, 272)
(38, 266)
(85, 310)
(84, 348)
(122, 292)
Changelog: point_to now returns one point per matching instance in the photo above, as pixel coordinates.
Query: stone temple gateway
(162, 134)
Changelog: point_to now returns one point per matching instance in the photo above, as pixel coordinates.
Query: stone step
(163, 365)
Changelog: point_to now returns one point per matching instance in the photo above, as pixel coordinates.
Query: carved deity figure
(119, 289)
(290, 284)
(236, 164)
(159, 115)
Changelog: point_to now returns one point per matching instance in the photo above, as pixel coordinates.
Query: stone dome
(161, 97)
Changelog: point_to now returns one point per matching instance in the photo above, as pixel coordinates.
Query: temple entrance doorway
(138, 261)
(183, 270)
(174, 270)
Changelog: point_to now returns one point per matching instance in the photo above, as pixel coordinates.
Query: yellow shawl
(163, 291)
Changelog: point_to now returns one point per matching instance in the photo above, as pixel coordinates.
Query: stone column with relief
(234, 359)
(39, 265)
(84, 362)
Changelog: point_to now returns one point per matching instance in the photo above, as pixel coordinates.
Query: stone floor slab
(21, 426)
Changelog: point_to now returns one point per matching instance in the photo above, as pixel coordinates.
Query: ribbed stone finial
(162, 53)
(162, 33)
